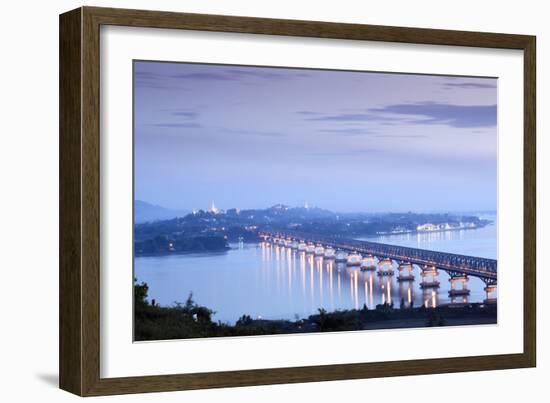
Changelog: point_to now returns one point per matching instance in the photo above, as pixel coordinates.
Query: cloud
(144, 78)
(468, 85)
(156, 81)
(259, 72)
(459, 116)
(248, 132)
(157, 86)
(344, 117)
(176, 125)
(402, 136)
(239, 74)
(209, 76)
(425, 113)
(355, 117)
(349, 131)
(186, 114)
(347, 153)
(308, 113)
(147, 75)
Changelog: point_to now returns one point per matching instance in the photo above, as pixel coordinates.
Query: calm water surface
(272, 282)
(480, 242)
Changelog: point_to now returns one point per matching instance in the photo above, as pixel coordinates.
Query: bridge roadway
(454, 264)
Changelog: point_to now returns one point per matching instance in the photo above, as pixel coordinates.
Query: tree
(322, 318)
(244, 320)
(192, 309)
(140, 293)
(189, 303)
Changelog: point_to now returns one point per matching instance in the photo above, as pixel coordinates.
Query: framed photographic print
(249, 201)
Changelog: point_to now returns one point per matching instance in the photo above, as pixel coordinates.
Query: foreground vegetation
(190, 320)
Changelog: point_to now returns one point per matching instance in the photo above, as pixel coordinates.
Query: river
(266, 281)
(479, 242)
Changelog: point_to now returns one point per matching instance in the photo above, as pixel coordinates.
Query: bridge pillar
(319, 250)
(330, 253)
(430, 297)
(341, 256)
(385, 284)
(405, 272)
(430, 277)
(368, 263)
(385, 267)
(478, 267)
(491, 293)
(459, 285)
(406, 292)
(459, 288)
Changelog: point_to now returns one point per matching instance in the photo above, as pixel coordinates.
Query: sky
(252, 137)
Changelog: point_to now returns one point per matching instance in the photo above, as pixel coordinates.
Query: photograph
(281, 200)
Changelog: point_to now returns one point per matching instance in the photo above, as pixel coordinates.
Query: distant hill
(147, 212)
(282, 210)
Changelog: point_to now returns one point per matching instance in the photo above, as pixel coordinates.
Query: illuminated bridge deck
(455, 264)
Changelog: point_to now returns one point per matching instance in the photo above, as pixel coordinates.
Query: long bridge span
(454, 264)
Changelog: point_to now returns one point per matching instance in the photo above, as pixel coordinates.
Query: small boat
(302, 246)
(310, 248)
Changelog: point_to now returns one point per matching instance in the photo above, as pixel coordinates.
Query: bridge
(459, 267)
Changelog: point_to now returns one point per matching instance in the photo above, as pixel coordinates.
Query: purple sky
(347, 141)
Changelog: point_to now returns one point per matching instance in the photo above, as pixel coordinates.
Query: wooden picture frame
(79, 346)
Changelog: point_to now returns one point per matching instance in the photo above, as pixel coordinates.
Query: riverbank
(480, 241)
(191, 252)
(190, 320)
(163, 245)
(434, 231)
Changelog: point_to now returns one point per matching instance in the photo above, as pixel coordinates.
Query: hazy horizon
(253, 137)
(225, 208)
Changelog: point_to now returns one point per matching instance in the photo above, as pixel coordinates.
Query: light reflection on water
(480, 242)
(273, 282)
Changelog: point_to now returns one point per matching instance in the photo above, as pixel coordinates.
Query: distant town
(213, 229)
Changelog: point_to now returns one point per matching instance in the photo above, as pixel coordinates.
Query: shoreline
(416, 232)
(187, 321)
(177, 253)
